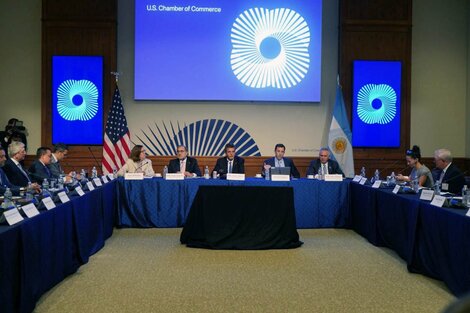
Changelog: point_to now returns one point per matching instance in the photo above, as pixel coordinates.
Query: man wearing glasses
(450, 178)
(184, 164)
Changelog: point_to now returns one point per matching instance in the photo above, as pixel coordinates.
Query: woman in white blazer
(137, 163)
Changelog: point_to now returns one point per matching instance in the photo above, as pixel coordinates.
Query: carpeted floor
(147, 270)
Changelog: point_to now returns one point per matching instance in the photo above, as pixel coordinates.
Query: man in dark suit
(230, 163)
(60, 152)
(280, 161)
(184, 164)
(15, 172)
(328, 166)
(450, 178)
(4, 181)
(38, 170)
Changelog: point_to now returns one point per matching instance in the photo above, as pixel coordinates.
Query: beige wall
(20, 66)
(439, 83)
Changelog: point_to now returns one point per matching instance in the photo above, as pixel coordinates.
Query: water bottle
(165, 171)
(437, 189)
(214, 174)
(115, 171)
(45, 187)
(267, 174)
(393, 179)
(320, 173)
(363, 171)
(29, 192)
(7, 201)
(415, 185)
(465, 196)
(94, 172)
(83, 175)
(60, 182)
(206, 172)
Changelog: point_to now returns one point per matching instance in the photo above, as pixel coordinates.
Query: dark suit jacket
(55, 169)
(454, 177)
(333, 167)
(238, 166)
(15, 175)
(191, 166)
(5, 183)
(38, 171)
(287, 163)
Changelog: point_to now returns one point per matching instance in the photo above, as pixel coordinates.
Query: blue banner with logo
(376, 107)
(77, 100)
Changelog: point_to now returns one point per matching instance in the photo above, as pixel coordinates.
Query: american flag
(116, 137)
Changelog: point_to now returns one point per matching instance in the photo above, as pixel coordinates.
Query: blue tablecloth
(40, 252)
(161, 203)
(433, 241)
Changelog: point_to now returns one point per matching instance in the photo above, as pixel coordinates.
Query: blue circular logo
(270, 48)
(77, 100)
(376, 104)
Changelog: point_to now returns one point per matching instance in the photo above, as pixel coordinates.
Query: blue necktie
(48, 172)
(230, 166)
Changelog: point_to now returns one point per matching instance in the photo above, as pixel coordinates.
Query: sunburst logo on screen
(77, 100)
(270, 48)
(376, 104)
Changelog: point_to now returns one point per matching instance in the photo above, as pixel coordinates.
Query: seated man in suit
(328, 166)
(39, 170)
(230, 163)
(15, 172)
(4, 181)
(450, 178)
(184, 164)
(59, 153)
(280, 161)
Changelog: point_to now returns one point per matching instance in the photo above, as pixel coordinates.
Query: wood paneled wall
(84, 27)
(377, 30)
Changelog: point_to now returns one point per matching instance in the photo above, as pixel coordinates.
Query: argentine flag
(340, 136)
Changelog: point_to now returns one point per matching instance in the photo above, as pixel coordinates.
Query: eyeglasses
(181, 151)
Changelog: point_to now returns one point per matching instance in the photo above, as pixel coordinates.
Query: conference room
(366, 81)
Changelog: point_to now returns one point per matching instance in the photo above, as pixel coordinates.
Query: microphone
(96, 161)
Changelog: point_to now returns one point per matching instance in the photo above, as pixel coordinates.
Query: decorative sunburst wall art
(270, 48)
(77, 100)
(202, 138)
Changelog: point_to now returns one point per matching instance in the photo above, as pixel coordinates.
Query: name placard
(377, 184)
(30, 210)
(79, 191)
(173, 176)
(97, 182)
(468, 213)
(105, 179)
(396, 189)
(357, 178)
(13, 216)
(426, 195)
(279, 177)
(333, 177)
(438, 201)
(90, 186)
(111, 177)
(48, 203)
(363, 181)
(235, 176)
(63, 197)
